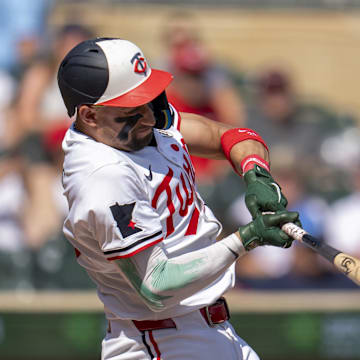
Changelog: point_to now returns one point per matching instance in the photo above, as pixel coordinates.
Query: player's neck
(77, 126)
(153, 141)
(80, 127)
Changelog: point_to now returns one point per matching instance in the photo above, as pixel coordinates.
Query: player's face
(128, 129)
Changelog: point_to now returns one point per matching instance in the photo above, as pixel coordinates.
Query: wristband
(233, 136)
(249, 162)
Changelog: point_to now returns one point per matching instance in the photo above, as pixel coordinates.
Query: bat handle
(297, 233)
(347, 264)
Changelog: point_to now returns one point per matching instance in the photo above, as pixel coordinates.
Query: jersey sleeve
(118, 212)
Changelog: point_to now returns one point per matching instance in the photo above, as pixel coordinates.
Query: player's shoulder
(88, 161)
(81, 149)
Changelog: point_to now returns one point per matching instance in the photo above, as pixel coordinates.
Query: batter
(137, 223)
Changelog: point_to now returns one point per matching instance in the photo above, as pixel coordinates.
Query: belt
(216, 313)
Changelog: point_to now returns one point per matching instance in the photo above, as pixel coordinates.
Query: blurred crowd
(315, 154)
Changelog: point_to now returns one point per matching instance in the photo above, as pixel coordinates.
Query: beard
(138, 143)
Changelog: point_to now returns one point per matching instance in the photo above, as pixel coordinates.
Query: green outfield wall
(293, 336)
(71, 325)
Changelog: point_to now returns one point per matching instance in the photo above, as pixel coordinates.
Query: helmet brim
(147, 91)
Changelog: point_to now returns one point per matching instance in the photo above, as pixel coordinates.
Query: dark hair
(274, 82)
(82, 30)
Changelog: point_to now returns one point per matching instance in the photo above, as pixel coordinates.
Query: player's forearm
(246, 148)
(164, 281)
(203, 136)
(211, 139)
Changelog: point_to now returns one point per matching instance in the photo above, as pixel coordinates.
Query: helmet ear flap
(162, 112)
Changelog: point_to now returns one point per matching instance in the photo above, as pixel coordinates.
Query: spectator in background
(200, 86)
(7, 91)
(41, 118)
(342, 226)
(282, 118)
(12, 194)
(299, 267)
(11, 189)
(277, 112)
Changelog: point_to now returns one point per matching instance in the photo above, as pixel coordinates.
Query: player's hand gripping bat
(347, 264)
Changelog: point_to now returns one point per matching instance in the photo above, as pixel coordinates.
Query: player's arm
(129, 233)
(246, 151)
(162, 281)
(203, 138)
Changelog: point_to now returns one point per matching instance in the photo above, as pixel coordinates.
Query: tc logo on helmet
(140, 65)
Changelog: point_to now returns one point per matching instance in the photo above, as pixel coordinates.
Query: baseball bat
(347, 264)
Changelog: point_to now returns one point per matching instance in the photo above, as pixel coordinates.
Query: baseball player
(136, 221)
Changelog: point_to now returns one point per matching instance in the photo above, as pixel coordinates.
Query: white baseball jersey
(121, 203)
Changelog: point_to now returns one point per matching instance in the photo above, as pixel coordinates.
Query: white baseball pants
(193, 339)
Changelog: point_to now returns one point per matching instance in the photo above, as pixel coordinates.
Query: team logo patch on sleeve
(123, 217)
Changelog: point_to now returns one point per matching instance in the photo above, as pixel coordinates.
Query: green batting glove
(266, 230)
(263, 193)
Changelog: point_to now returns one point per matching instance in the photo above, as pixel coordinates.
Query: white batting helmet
(109, 71)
